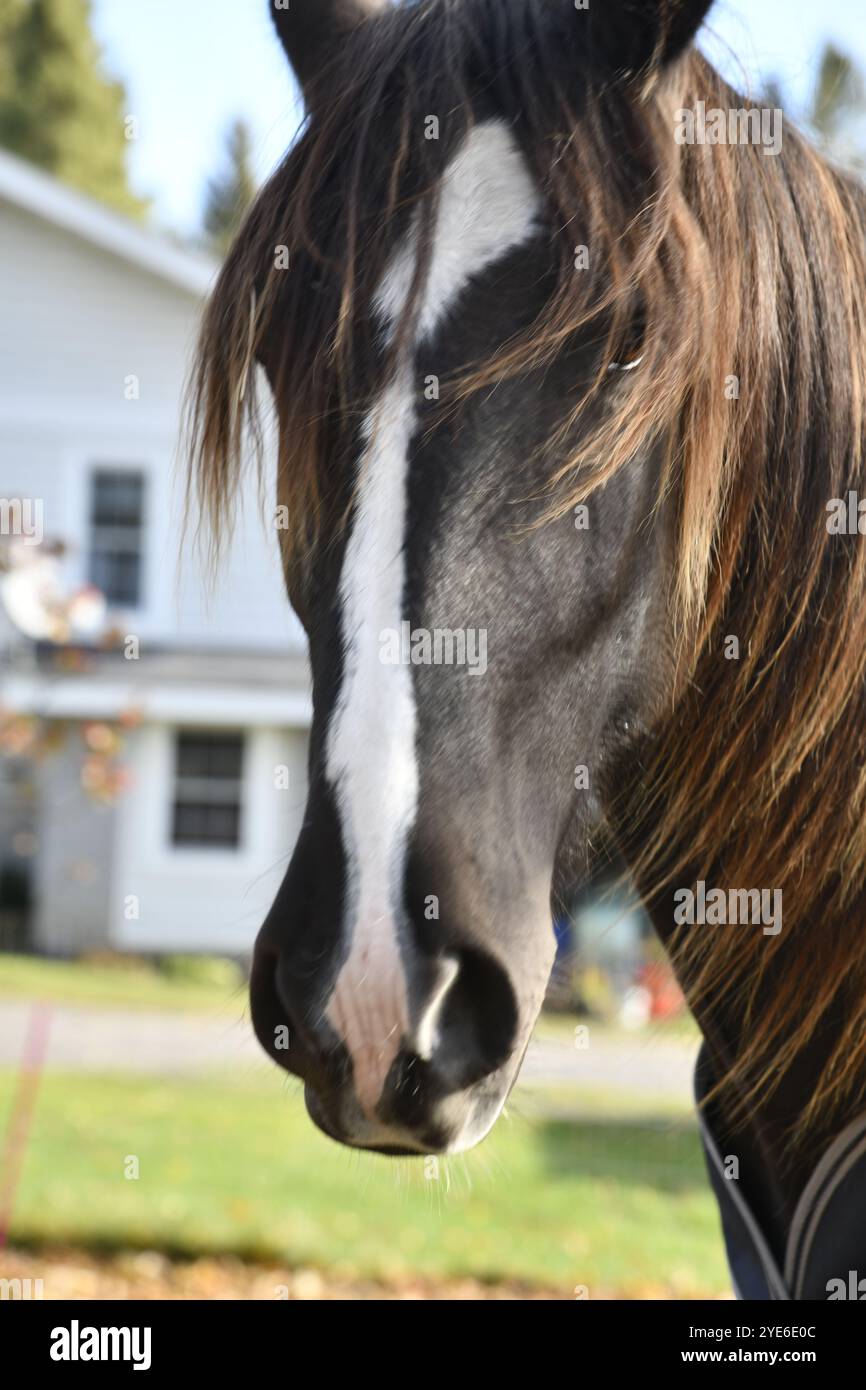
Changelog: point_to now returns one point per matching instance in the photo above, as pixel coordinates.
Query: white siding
(193, 899)
(79, 320)
(77, 323)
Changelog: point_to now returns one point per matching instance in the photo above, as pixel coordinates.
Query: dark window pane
(205, 755)
(188, 824)
(223, 824)
(118, 499)
(225, 758)
(117, 528)
(207, 805)
(118, 575)
(205, 825)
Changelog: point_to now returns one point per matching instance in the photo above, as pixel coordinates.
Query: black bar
(228, 1338)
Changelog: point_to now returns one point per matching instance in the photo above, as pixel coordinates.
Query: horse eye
(626, 366)
(632, 348)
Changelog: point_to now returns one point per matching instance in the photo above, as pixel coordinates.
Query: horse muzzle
(429, 1078)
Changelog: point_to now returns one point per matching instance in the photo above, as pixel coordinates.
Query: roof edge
(44, 196)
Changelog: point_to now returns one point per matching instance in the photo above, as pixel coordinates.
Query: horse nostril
(280, 1017)
(467, 1030)
(274, 1023)
(271, 1021)
(477, 1020)
(439, 976)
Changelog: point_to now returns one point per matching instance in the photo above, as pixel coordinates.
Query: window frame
(129, 539)
(205, 791)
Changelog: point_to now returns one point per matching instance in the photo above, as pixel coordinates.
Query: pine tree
(840, 94)
(11, 12)
(229, 195)
(58, 109)
(837, 108)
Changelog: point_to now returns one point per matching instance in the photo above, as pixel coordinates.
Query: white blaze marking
(488, 205)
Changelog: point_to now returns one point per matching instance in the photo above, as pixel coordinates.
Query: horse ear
(309, 29)
(680, 23)
(644, 34)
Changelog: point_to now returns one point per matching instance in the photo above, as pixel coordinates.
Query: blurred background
(153, 741)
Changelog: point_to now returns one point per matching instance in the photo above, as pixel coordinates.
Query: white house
(206, 710)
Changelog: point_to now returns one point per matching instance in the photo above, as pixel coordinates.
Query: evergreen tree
(840, 95)
(837, 107)
(229, 195)
(11, 12)
(58, 109)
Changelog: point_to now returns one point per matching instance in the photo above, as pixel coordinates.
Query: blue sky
(190, 66)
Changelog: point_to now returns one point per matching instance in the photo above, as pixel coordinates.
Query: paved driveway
(102, 1040)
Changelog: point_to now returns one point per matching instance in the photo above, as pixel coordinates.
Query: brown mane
(741, 265)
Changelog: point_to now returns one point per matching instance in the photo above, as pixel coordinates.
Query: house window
(207, 791)
(117, 535)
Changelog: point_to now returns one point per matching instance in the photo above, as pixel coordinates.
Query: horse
(550, 367)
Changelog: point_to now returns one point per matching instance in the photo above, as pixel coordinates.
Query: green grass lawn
(122, 983)
(232, 1164)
